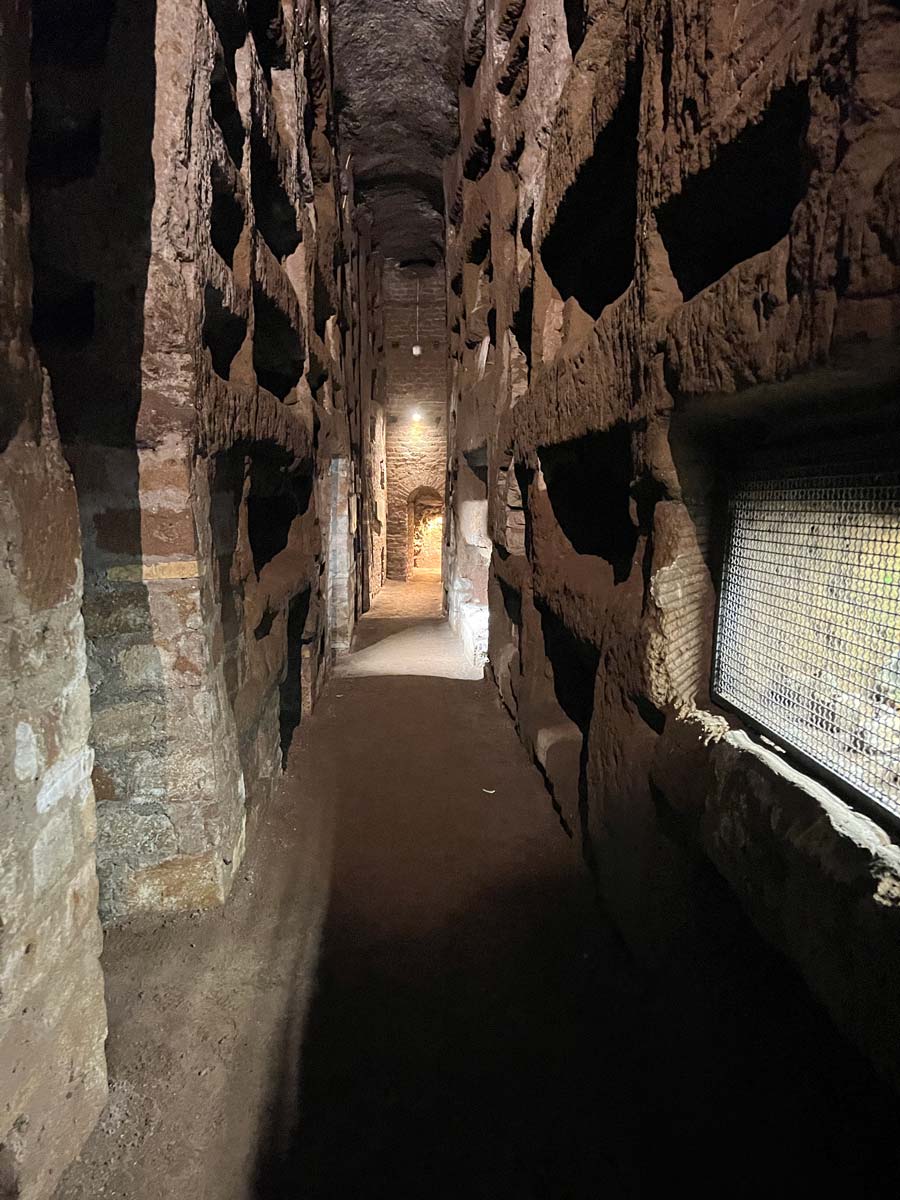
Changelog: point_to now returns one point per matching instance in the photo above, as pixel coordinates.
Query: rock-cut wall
(672, 247)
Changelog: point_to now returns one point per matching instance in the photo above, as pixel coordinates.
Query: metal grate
(808, 638)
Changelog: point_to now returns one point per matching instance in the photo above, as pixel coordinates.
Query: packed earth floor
(473, 1026)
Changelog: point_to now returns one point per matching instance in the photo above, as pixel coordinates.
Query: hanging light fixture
(417, 349)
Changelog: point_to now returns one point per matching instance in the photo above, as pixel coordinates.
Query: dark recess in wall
(291, 691)
(275, 501)
(62, 308)
(576, 23)
(574, 665)
(223, 331)
(277, 349)
(589, 251)
(223, 105)
(522, 322)
(266, 20)
(743, 203)
(481, 152)
(226, 217)
(275, 215)
(589, 486)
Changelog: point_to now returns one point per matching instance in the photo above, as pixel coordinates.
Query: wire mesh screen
(808, 641)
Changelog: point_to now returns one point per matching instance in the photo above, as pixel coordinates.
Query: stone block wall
(672, 251)
(416, 395)
(52, 1011)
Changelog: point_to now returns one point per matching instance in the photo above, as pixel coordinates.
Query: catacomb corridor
(449, 599)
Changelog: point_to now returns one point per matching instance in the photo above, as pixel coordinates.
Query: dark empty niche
(456, 284)
(515, 74)
(71, 34)
(512, 601)
(323, 306)
(275, 501)
(62, 309)
(291, 692)
(477, 462)
(226, 217)
(574, 665)
(480, 246)
(576, 23)
(743, 202)
(668, 50)
(509, 18)
(226, 115)
(522, 322)
(223, 331)
(475, 46)
(589, 486)
(589, 252)
(276, 218)
(266, 20)
(229, 20)
(481, 152)
(61, 152)
(277, 349)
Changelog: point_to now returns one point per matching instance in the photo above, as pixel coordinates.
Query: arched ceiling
(397, 65)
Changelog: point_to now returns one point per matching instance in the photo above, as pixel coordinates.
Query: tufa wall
(416, 394)
(672, 247)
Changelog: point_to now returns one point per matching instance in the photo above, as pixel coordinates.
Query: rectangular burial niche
(226, 217)
(743, 203)
(276, 499)
(590, 249)
(276, 218)
(277, 348)
(223, 331)
(223, 104)
(808, 623)
(588, 483)
(291, 689)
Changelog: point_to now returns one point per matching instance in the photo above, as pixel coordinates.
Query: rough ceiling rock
(397, 64)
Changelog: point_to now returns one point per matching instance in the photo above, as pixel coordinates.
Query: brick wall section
(416, 450)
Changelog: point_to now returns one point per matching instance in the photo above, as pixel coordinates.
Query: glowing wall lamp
(416, 414)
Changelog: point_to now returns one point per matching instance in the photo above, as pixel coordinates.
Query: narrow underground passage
(449, 607)
(472, 1024)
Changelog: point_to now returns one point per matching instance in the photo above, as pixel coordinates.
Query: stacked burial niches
(672, 242)
(201, 315)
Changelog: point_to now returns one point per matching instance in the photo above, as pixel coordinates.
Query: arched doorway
(425, 523)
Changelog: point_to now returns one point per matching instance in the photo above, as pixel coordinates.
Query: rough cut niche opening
(574, 665)
(62, 308)
(277, 348)
(588, 483)
(226, 217)
(272, 207)
(589, 251)
(291, 690)
(226, 115)
(275, 501)
(576, 23)
(266, 20)
(481, 153)
(744, 202)
(223, 331)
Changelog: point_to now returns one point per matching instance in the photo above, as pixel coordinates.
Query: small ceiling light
(417, 349)
(416, 415)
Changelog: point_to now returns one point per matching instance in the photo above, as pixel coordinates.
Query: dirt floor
(473, 1027)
